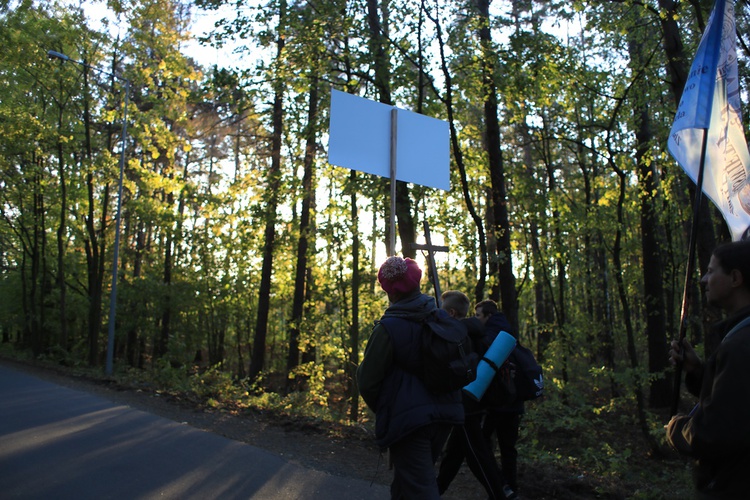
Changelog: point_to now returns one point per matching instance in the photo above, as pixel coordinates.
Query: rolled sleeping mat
(491, 362)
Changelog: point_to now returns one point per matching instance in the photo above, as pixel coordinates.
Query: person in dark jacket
(716, 433)
(467, 440)
(503, 411)
(410, 421)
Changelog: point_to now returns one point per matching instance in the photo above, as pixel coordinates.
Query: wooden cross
(431, 249)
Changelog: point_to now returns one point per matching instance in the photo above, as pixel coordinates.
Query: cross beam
(431, 249)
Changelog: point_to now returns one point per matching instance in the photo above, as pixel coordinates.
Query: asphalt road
(58, 443)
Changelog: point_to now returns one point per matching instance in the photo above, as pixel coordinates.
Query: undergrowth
(603, 446)
(216, 389)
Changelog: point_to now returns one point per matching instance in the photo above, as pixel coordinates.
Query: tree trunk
(499, 198)
(134, 345)
(61, 235)
(459, 159)
(94, 243)
(257, 361)
(166, 316)
(544, 299)
(653, 287)
(33, 319)
(596, 296)
(558, 289)
(308, 193)
(621, 288)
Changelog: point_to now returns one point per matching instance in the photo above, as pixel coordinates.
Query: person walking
(503, 410)
(467, 440)
(411, 422)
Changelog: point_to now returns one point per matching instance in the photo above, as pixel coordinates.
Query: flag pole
(690, 269)
(694, 113)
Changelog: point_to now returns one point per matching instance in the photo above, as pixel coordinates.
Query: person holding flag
(708, 142)
(716, 433)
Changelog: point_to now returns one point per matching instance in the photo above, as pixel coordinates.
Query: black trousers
(505, 425)
(413, 459)
(468, 441)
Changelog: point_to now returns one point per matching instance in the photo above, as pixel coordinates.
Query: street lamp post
(123, 139)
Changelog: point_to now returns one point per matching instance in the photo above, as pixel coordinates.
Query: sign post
(393, 170)
(383, 140)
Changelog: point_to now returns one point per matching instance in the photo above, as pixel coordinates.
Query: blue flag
(710, 105)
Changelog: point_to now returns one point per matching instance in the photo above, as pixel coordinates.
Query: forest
(171, 219)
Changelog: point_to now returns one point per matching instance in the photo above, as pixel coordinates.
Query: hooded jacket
(388, 380)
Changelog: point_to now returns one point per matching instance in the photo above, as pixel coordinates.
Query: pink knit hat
(399, 275)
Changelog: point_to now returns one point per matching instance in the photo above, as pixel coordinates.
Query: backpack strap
(491, 363)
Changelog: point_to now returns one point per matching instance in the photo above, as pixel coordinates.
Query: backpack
(519, 379)
(529, 380)
(448, 360)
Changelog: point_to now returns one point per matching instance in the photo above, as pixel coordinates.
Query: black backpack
(529, 380)
(448, 360)
(519, 379)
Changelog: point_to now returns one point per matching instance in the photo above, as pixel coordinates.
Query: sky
(202, 23)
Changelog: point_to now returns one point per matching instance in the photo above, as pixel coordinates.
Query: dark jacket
(388, 376)
(717, 432)
(500, 394)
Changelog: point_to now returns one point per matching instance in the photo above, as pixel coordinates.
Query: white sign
(360, 139)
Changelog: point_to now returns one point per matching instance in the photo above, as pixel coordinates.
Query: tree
(650, 227)
(274, 184)
(501, 233)
(161, 83)
(458, 157)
